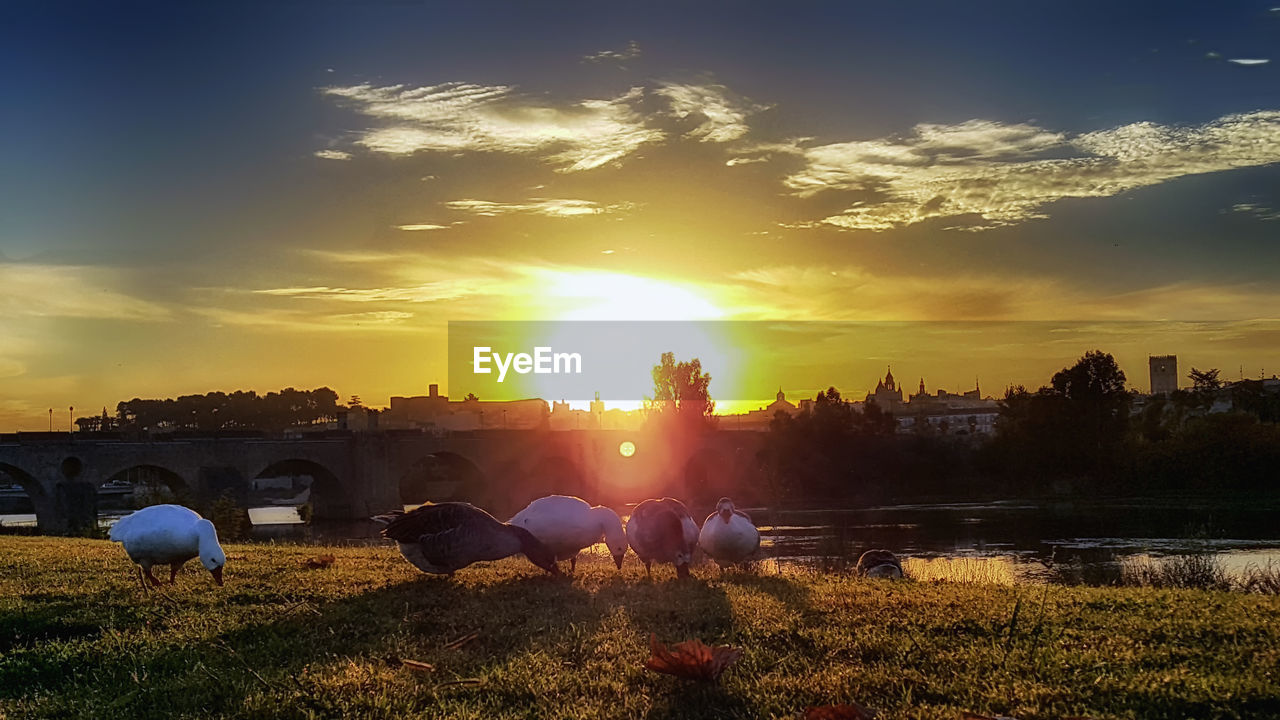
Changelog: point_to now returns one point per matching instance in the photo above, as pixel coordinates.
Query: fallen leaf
(691, 659)
(417, 665)
(838, 712)
(318, 562)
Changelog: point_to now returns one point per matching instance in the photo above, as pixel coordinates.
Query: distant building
(965, 413)
(1164, 373)
(436, 411)
(760, 418)
(888, 396)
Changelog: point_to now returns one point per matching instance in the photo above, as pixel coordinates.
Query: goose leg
(573, 562)
(647, 570)
(173, 572)
(146, 569)
(141, 580)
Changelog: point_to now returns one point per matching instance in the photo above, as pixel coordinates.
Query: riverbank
(79, 638)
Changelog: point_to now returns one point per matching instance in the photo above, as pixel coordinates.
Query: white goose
(567, 524)
(728, 535)
(663, 531)
(169, 535)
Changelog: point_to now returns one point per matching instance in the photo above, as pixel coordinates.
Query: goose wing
(434, 519)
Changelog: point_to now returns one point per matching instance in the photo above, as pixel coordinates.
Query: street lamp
(71, 419)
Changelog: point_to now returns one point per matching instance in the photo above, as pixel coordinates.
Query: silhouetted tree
(1075, 426)
(681, 393)
(1203, 380)
(240, 410)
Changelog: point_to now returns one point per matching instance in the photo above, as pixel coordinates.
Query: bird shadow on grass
(181, 655)
(415, 619)
(783, 589)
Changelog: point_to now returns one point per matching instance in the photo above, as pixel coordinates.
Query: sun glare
(590, 295)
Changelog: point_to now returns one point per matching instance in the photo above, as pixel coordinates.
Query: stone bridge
(355, 475)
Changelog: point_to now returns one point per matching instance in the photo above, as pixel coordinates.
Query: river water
(1007, 541)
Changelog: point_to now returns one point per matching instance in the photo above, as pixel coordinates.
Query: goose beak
(726, 515)
(217, 575)
(617, 559)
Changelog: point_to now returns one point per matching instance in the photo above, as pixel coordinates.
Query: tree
(1204, 380)
(1204, 386)
(681, 393)
(1076, 425)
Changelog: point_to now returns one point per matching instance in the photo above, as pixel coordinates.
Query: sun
(595, 295)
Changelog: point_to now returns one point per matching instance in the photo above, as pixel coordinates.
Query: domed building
(887, 394)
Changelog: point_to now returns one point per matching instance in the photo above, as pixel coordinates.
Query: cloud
(723, 118)
(78, 291)
(854, 293)
(449, 289)
(456, 117)
(631, 51)
(1257, 210)
(332, 155)
(382, 317)
(1249, 61)
(1006, 174)
(549, 207)
(419, 227)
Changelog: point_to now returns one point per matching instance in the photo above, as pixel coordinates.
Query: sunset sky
(245, 197)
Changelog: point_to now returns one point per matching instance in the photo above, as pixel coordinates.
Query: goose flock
(441, 538)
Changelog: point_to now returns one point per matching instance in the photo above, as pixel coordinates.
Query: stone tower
(1164, 373)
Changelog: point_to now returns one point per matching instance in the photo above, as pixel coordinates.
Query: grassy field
(79, 638)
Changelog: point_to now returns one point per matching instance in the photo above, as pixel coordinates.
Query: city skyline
(255, 197)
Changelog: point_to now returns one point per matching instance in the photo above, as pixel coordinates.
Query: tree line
(1083, 433)
(214, 411)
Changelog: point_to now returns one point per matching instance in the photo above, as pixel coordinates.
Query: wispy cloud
(1249, 61)
(1257, 210)
(549, 207)
(630, 52)
(449, 289)
(723, 117)
(1005, 174)
(420, 227)
(332, 155)
(856, 293)
(31, 290)
(455, 117)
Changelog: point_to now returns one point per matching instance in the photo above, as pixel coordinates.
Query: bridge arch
(441, 476)
(707, 476)
(327, 498)
(36, 493)
(551, 474)
(152, 484)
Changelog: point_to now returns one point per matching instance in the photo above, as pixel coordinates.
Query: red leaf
(691, 660)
